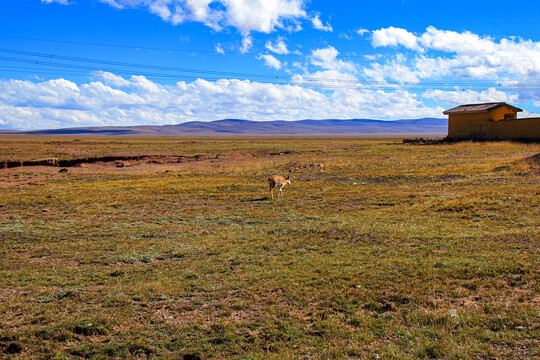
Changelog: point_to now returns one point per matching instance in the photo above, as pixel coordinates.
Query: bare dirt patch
(534, 160)
(531, 163)
(299, 166)
(425, 141)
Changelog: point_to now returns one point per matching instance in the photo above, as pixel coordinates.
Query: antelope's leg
(271, 193)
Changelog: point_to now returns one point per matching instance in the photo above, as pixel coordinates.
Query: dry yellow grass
(387, 251)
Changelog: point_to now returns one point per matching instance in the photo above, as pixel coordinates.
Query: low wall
(484, 129)
(528, 128)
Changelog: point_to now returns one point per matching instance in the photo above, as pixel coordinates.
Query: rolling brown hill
(425, 126)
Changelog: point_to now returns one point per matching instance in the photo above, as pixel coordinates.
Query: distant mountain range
(415, 127)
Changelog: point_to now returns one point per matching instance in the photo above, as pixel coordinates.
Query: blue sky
(68, 63)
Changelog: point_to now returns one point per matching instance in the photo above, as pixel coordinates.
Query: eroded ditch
(146, 159)
(163, 159)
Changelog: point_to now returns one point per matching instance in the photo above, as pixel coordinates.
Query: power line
(216, 52)
(207, 71)
(135, 47)
(173, 73)
(132, 65)
(321, 84)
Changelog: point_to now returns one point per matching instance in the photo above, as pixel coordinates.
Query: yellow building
(491, 121)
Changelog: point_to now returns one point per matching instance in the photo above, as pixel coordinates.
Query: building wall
(480, 126)
(468, 125)
(514, 129)
(498, 113)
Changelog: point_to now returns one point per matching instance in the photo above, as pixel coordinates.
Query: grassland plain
(386, 251)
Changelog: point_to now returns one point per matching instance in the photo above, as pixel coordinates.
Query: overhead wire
(180, 73)
(239, 53)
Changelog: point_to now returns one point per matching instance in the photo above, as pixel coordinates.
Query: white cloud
(64, 94)
(456, 97)
(247, 43)
(327, 59)
(473, 56)
(330, 72)
(362, 31)
(246, 15)
(482, 56)
(428, 67)
(451, 41)
(317, 23)
(393, 70)
(112, 79)
(61, 103)
(219, 49)
(271, 14)
(279, 47)
(113, 3)
(394, 37)
(61, 2)
(271, 61)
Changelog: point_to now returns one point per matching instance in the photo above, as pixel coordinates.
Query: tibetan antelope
(279, 182)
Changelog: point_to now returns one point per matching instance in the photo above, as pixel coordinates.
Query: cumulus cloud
(327, 59)
(61, 94)
(113, 3)
(451, 41)
(271, 61)
(362, 31)
(483, 56)
(394, 70)
(317, 23)
(279, 47)
(219, 49)
(330, 72)
(61, 2)
(271, 14)
(472, 56)
(247, 43)
(456, 97)
(114, 100)
(394, 37)
(112, 79)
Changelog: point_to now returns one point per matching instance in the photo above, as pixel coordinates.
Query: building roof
(478, 108)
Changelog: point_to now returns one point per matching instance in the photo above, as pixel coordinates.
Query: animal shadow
(259, 199)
